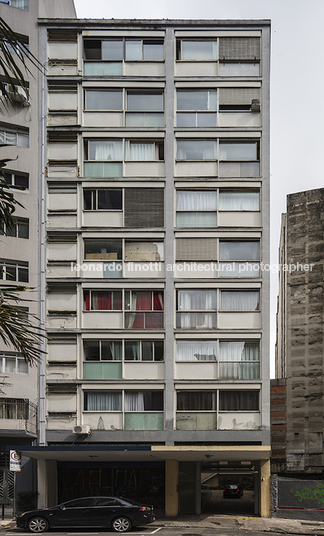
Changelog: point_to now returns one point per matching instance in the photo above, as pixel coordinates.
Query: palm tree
(16, 329)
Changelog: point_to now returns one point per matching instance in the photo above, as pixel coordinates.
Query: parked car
(105, 512)
(232, 491)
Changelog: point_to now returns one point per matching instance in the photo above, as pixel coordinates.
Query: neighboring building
(157, 188)
(19, 246)
(300, 336)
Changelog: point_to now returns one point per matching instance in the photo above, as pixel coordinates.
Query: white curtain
(238, 351)
(239, 200)
(104, 401)
(105, 150)
(197, 301)
(141, 151)
(196, 350)
(196, 150)
(133, 351)
(196, 200)
(239, 300)
(134, 401)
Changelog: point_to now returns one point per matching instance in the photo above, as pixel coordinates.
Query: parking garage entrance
(205, 482)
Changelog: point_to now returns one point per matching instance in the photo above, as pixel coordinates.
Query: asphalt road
(148, 531)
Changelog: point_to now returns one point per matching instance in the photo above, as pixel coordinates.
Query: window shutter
(242, 95)
(196, 249)
(239, 48)
(144, 207)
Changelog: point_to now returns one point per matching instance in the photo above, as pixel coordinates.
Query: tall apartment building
(19, 246)
(157, 308)
(298, 441)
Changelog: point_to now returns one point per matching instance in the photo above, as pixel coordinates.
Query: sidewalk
(257, 524)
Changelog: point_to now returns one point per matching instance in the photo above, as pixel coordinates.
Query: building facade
(19, 245)
(299, 350)
(156, 191)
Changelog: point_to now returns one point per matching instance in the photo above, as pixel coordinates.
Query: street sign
(15, 461)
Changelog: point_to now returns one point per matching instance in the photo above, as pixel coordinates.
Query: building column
(42, 483)
(171, 488)
(52, 491)
(265, 488)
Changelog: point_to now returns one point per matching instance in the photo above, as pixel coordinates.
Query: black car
(232, 491)
(105, 512)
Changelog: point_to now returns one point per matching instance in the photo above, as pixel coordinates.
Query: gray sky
(297, 81)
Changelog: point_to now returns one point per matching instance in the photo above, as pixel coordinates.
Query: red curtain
(143, 301)
(158, 301)
(104, 301)
(86, 297)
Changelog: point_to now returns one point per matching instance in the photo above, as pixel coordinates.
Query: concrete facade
(156, 154)
(299, 355)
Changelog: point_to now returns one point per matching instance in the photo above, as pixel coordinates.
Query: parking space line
(156, 530)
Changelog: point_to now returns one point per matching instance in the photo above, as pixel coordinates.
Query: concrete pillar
(52, 491)
(171, 488)
(42, 484)
(198, 489)
(265, 488)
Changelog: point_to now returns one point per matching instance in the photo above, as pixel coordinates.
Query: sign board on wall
(15, 461)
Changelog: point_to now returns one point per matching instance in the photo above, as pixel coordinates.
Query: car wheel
(121, 524)
(38, 524)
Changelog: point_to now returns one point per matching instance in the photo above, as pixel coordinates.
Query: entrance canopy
(107, 453)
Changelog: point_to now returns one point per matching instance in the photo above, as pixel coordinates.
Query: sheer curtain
(196, 350)
(141, 151)
(239, 201)
(105, 150)
(132, 351)
(103, 401)
(239, 300)
(197, 301)
(196, 200)
(134, 401)
(196, 150)
(237, 357)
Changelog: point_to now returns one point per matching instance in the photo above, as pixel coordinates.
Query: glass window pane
(133, 50)
(11, 273)
(144, 101)
(196, 150)
(239, 251)
(11, 230)
(153, 51)
(199, 50)
(103, 100)
(22, 366)
(21, 180)
(196, 350)
(239, 69)
(206, 120)
(196, 400)
(109, 199)
(113, 269)
(105, 150)
(103, 401)
(240, 300)
(23, 229)
(239, 400)
(231, 200)
(147, 351)
(112, 50)
(239, 351)
(10, 364)
(141, 151)
(103, 249)
(22, 274)
(186, 119)
(196, 200)
(196, 300)
(132, 351)
(186, 219)
(91, 350)
(238, 151)
(206, 219)
(158, 351)
(111, 350)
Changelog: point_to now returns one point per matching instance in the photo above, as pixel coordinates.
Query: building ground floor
(172, 478)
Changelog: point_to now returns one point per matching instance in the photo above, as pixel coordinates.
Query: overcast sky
(297, 81)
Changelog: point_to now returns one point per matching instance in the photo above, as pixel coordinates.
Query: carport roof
(110, 453)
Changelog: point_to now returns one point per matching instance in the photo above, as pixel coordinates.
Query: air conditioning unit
(18, 96)
(82, 430)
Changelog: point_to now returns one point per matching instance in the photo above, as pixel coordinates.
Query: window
(103, 401)
(13, 363)
(243, 200)
(14, 408)
(105, 150)
(196, 150)
(196, 401)
(149, 303)
(138, 150)
(144, 251)
(240, 300)
(239, 56)
(143, 400)
(105, 57)
(102, 350)
(239, 99)
(194, 309)
(239, 360)
(144, 207)
(143, 49)
(239, 159)
(14, 136)
(20, 48)
(19, 228)
(196, 350)
(144, 350)
(238, 151)
(102, 300)
(196, 50)
(144, 109)
(245, 256)
(102, 199)
(196, 208)
(239, 400)
(96, 99)
(14, 271)
(19, 180)
(196, 108)
(103, 249)
(21, 4)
